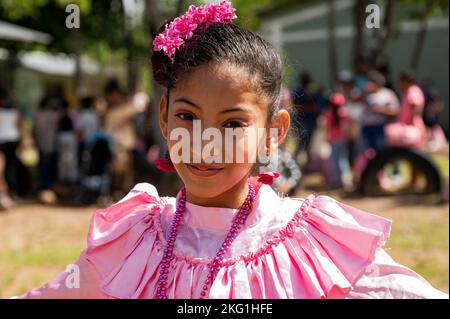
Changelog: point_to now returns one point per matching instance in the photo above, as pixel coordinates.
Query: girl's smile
(204, 170)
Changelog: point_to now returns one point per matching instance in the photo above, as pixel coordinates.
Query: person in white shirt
(10, 133)
(89, 121)
(381, 107)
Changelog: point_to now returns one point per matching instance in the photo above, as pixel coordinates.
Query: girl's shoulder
(118, 230)
(139, 208)
(326, 220)
(336, 241)
(335, 211)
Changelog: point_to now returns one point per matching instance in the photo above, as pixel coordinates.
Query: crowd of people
(365, 112)
(91, 147)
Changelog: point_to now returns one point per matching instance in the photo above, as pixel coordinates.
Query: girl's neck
(232, 198)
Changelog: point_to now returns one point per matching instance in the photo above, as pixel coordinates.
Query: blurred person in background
(413, 100)
(381, 107)
(289, 172)
(119, 124)
(45, 132)
(13, 182)
(320, 98)
(434, 104)
(335, 121)
(9, 141)
(390, 83)
(363, 67)
(95, 148)
(354, 107)
(409, 129)
(67, 149)
(307, 112)
(89, 121)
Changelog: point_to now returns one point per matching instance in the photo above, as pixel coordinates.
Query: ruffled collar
(324, 249)
(219, 218)
(216, 218)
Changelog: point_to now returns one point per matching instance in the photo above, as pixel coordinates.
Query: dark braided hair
(224, 43)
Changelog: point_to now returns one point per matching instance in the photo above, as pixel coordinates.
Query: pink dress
(412, 96)
(315, 247)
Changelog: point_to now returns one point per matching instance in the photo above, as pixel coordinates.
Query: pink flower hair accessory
(267, 177)
(183, 27)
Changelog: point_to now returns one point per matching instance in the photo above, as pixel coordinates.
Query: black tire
(369, 184)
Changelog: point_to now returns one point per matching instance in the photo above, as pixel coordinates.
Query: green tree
(49, 16)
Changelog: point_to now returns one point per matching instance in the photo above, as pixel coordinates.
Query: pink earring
(267, 177)
(165, 163)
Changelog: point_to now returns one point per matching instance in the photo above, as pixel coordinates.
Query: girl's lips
(200, 170)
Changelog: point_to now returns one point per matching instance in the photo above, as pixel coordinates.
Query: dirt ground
(38, 242)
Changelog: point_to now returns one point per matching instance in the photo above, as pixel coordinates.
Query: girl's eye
(185, 116)
(234, 124)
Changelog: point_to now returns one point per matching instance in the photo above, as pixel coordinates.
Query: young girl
(226, 234)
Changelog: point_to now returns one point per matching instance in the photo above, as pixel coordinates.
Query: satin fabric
(315, 247)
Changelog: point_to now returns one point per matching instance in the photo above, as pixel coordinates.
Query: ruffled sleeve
(342, 239)
(322, 252)
(386, 279)
(122, 241)
(363, 269)
(327, 250)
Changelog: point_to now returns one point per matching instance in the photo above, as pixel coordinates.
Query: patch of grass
(420, 240)
(55, 254)
(425, 232)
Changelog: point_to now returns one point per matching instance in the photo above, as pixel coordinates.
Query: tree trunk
(332, 42)
(154, 19)
(78, 48)
(380, 52)
(10, 66)
(420, 44)
(359, 15)
(132, 69)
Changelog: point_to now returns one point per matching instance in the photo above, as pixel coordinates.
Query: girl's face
(220, 97)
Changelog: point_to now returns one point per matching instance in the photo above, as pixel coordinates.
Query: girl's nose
(207, 150)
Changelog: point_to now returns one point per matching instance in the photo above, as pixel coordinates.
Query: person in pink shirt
(412, 105)
(409, 130)
(227, 234)
(337, 123)
(413, 100)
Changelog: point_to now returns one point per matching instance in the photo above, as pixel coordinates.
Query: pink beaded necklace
(214, 265)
